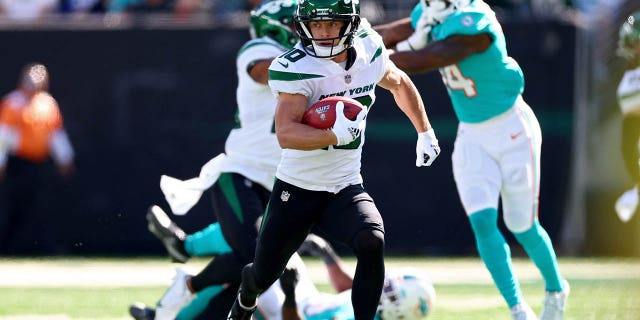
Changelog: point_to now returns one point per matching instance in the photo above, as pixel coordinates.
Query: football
(322, 114)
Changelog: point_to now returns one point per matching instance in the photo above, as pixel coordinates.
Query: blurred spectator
(536, 9)
(141, 6)
(229, 7)
(31, 133)
(187, 7)
(180, 7)
(26, 9)
(75, 6)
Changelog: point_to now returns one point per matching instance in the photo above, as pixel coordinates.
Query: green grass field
(75, 288)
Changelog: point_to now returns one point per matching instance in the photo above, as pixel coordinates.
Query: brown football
(322, 114)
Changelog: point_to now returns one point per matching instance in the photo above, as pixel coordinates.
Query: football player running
(242, 190)
(497, 148)
(318, 181)
(629, 101)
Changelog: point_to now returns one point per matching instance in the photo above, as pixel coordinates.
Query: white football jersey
(629, 92)
(252, 148)
(333, 168)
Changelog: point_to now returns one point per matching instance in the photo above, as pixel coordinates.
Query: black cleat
(168, 232)
(239, 313)
(139, 311)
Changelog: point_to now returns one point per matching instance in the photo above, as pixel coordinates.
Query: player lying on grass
(406, 292)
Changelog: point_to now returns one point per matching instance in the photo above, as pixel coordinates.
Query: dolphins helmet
(406, 295)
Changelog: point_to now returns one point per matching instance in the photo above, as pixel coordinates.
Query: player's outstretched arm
(441, 53)
(395, 31)
(406, 96)
(288, 282)
(316, 246)
(410, 102)
(259, 70)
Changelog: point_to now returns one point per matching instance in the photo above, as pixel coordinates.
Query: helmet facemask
(327, 10)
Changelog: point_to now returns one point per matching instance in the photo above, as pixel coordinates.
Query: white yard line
(110, 273)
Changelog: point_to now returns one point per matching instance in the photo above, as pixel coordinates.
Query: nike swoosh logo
(515, 136)
(284, 65)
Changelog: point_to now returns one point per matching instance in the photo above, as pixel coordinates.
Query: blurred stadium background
(150, 91)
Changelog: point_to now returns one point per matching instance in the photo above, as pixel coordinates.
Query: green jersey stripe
(291, 76)
(377, 54)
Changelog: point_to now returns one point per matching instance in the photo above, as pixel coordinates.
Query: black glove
(288, 281)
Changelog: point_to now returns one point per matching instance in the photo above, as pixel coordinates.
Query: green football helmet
(629, 37)
(273, 19)
(327, 10)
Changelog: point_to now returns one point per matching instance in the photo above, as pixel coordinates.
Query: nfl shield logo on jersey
(347, 78)
(285, 196)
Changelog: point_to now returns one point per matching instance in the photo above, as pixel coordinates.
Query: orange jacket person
(31, 133)
(31, 123)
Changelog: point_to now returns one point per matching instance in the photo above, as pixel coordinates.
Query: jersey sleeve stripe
(291, 76)
(377, 54)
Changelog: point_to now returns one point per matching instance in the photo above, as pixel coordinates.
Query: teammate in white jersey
(241, 192)
(629, 100)
(318, 181)
(497, 148)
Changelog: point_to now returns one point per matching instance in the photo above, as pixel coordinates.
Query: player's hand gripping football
(347, 130)
(427, 148)
(418, 39)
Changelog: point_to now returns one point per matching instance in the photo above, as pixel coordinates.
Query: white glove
(427, 148)
(347, 130)
(418, 39)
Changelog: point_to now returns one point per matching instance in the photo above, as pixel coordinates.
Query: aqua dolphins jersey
(484, 84)
(329, 306)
